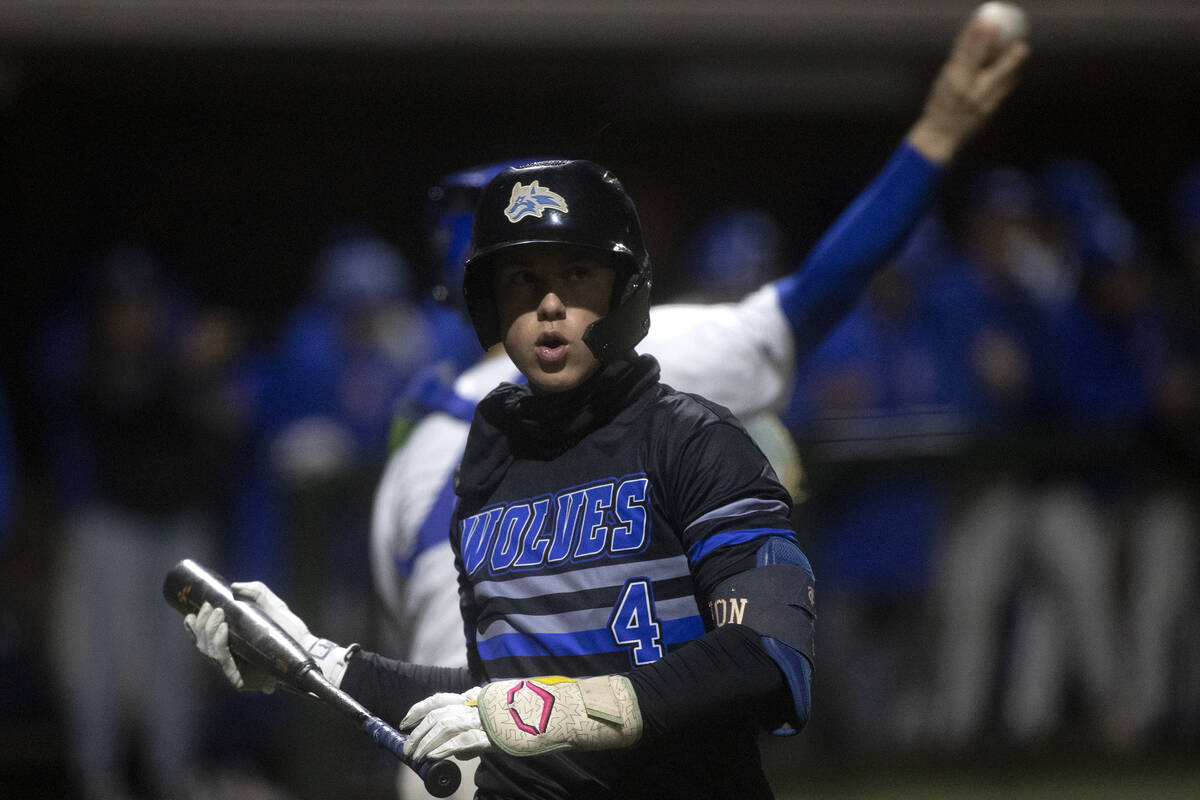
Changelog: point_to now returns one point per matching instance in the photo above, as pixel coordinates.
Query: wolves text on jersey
(578, 524)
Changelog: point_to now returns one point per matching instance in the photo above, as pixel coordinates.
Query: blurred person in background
(994, 314)
(877, 413)
(345, 356)
(1160, 511)
(447, 226)
(733, 251)
(321, 400)
(1106, 508)
(133, 381)
(1031, 575)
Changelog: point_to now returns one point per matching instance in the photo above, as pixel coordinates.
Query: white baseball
(1010, 20)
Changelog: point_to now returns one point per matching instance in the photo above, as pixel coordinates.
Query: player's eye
(518, 276)
(580, 270)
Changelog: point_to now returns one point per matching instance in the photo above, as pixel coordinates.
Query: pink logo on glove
(543, 698)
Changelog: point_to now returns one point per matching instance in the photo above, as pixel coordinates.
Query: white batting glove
(270, 604)
(527, 717)
(210, 632)
(330, 657)
(447, 724)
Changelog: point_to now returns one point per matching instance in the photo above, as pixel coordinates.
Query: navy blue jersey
(596, 555)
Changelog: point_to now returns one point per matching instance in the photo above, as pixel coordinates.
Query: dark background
(232, 140)
(232, 151)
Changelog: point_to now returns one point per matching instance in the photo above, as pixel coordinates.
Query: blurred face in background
(128, 325)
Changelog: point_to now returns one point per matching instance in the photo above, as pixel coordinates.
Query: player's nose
(551, 307)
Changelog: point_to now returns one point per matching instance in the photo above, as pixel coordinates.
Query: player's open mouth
(550, 346)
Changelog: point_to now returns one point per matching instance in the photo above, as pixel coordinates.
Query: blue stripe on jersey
(580, 643)
(699, 550)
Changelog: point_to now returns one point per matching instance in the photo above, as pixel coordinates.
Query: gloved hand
(211, 634)
(526, 717)
(270, 604)
(447, 724)
(330, 657)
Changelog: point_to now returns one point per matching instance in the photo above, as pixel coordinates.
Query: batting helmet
(448, 218)
(562, 202)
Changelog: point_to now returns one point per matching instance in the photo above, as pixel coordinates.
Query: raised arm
(979, 73)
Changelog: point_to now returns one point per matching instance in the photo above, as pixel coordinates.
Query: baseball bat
(256, 638)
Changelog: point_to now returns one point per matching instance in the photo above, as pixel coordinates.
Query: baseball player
(625, 543)
(740, 355)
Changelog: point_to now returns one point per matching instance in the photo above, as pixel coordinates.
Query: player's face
(546, 296)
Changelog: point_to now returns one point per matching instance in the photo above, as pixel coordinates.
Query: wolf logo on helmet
(532, 201)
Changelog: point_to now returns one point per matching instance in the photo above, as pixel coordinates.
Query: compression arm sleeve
(389, 688)
(725, 677)
(816, 296)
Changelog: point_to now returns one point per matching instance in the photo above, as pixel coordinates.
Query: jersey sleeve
(726, 499)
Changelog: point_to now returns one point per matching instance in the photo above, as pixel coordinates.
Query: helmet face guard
(562, 202)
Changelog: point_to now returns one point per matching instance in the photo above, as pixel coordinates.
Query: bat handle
(441, 778)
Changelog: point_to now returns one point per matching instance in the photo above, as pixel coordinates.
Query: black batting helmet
(562, 202)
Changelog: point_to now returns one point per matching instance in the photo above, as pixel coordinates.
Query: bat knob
(441, 777)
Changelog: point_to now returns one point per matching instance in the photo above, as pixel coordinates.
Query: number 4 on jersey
(633, 623)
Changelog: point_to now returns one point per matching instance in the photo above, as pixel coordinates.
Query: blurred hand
(972, 83)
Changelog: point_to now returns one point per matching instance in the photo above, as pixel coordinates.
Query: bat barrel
(252, 635)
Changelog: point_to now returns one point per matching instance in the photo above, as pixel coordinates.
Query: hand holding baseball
(1009, 20)
(980, 72)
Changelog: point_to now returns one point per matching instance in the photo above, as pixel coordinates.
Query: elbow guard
(776, 600)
